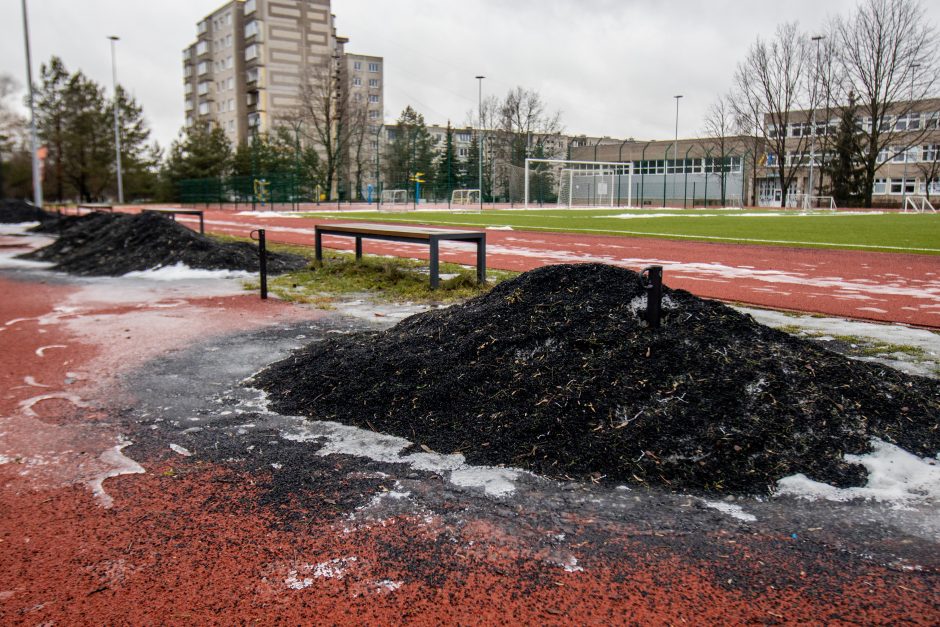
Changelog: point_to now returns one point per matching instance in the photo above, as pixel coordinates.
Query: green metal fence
(268, 190)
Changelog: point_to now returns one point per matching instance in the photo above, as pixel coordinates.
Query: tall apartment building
(248, 63)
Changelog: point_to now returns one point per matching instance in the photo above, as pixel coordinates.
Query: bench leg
(481, 259)
(318, 245)
(358, 249)
(434, 264)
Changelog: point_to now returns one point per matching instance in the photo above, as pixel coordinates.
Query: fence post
(262, 262)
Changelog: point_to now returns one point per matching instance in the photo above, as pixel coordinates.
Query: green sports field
(872, 231)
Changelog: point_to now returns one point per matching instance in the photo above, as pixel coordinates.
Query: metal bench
(410, 234)
(186, 212)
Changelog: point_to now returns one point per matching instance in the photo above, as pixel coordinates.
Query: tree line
(843, 95)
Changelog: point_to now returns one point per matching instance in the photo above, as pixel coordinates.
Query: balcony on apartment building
(254, 32)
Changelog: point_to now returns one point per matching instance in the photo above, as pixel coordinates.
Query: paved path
(886, 287)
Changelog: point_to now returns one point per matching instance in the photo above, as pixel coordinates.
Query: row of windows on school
(893, 154)
(914, 121)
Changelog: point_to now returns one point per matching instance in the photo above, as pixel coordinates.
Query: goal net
(394, 200)
(805, 201)
(465, 197)
(580, 184)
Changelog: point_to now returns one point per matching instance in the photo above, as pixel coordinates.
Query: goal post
(394, 200)
(465, 197)
(580, 183)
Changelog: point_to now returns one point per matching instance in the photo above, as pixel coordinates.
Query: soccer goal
(465, 199)
(580, 184)
(394, 200)
(805, 201)
(919, 204)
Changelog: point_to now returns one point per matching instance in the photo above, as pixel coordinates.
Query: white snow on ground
(176, 448)
(271, 214)
(735, 511)
(181, 272)
(331, 569)
(346, 440)
(894, 476)
(499, 228)
(120, 465)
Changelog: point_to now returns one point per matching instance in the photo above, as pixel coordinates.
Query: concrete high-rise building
(251, 58)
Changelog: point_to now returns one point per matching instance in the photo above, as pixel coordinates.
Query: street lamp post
(480, 141)
(907, 152)
(37, 182)
(807, 198)
(117, 123)
(675, 151)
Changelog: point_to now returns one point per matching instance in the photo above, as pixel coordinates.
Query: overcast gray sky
(610, 66)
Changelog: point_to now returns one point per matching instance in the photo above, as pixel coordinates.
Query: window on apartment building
(250, 7)
(880, 186)
(463, 152)
(374, 144)
(203, 108)
(373, 67)
(931, 152)
(188, 89)
(189, 105)
(770, 160)
(188, 71)
(374, 99)
(230, 62)
(463, 137)
(251, 52)
(231, 83)
(251, 28)
(373, 115)
(189, 120)
(254, 119)
(203, 89)
(202, 68)
(252, 75)
(932, 120)
(373, 82)
(202, 47)
(228, 19)
(202, 27)
(357, 65)
(357, 82)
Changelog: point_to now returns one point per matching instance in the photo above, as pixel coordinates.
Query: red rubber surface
(885, 287)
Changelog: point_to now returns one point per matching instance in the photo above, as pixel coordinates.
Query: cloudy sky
(610, 66)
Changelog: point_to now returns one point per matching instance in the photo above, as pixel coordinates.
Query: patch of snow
(735, 511)
(27, 405)
(41, 351)
(499, 228)
(181, 272)
(387, 585)
(894, 476)
(120, 465)
(176, 448)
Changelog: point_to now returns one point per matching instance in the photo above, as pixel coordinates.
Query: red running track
(886, 287)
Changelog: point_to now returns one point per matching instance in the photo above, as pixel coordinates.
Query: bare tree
(773, 90)
(929, 167)
(327, 120)
(12, 125)
(720, 129)
(887, 56)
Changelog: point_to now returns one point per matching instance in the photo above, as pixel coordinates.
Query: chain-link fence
(270, 190)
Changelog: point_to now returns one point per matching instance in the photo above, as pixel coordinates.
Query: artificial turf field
(916, 233)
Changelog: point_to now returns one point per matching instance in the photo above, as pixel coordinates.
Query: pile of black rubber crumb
(106, 244)
(556, 372)
(14, 210)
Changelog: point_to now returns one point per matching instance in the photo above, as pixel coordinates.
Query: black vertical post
(263, 262)
(653, 284)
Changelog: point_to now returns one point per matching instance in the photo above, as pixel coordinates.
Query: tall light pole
(480, 140)
(117, 123)
(37, 182)
(807, 198)
(907, 152)
(675, 150)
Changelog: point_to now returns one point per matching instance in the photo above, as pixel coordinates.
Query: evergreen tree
(50, 123)
(448, 174)
(845, 171)
(202, 150)
(411, 151)
(139, 159)
(87, 138)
